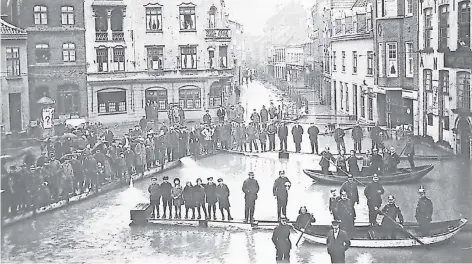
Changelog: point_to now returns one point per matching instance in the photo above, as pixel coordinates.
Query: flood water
(97, 230)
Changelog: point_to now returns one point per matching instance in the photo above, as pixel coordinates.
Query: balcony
(118, 36)
(218, 34)
(101, 36)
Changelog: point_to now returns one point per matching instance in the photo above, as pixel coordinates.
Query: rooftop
(9, 31)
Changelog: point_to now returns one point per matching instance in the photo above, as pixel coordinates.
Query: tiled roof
(361, 3)
(8, 29)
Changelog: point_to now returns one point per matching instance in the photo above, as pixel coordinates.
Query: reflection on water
(98, 230)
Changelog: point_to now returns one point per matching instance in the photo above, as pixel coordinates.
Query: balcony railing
(101, 36)
(218, 34)
(118, 36)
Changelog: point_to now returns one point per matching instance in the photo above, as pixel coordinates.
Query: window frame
(428, 80)
(409, 59)
(196, 101)
(119, 59)
(102, 60)
(215, 99)
(13, 61)
(409, 8)
(381, 60)
(392, 57)
(193, 17)
(443, 29)
(428, 27)
(67, 15)
(149, 15)
(69, 51)
(463, 94)
(334, 60)
(192, 55)
(40, 15)
(444, 81)
(370, 63)
(45, 47)
(363, 105)
(464, 27)
(354, 62)
(117, 104)
(153, 52)
(223, 60)
(370, 107)
(343, 61)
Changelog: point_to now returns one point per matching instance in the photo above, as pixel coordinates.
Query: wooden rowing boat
(233, 224)
(375, 237)
(403, 175)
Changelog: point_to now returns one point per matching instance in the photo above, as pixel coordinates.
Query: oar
(347, 173)
(404, 229)
(303, 231)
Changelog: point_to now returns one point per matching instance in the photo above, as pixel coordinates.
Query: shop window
(68, 99)
(159, 97)
(111, 101)
(190, 98)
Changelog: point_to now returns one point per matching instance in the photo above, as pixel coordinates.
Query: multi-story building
(445, 66)
(14, 90)
(352, 69)
(295, 63)
(396, 43)
(239, 49)
(168, 53)
(56, 53)
(279, 62)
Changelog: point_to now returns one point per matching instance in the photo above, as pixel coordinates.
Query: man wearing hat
(271, 130)
(283, 134)
(333, 201)
(297, 134)
(350, 186)
(207, 117)
(376, 164)
(281, 240)
(357, 135)
(424, 211)
(393, 160)
(280, 192)
(373, 192)
(154, 190)
(337, 242)
(345, 211)
(313, 132)
(166, 194)
(210, 194)
(222, 193)
(391, 212)
(250, 189)
(326, 159)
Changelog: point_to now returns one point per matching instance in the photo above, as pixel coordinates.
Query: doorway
(463, 138)
(15, 111)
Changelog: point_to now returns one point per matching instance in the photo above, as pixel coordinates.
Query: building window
(392, 59)
(443, 25)
(67, 15)
(409, 7)
(463, 90)
(68, 99)
(370, 63)
(338, 26)
(341, 94)
(409, 59)
(223, 57)
(348, 21)
(42, 53)
(68, 52)
(381, 60)
(446, 122)
(155, 57)
(188, 57)
(159, 97)
(428, 27)
(102, 59)
(153, 19)
(343, 61)
(370, 107)
(119, 59)
(444, 81)
(347, 97)
(187, 18)
(111, 101)
(361, 23)
(13, 61)
(212, 17)
(211, 58)
(464, 23)
(190, 98)
(430, 119)
(354, 62)
(362, 105)
(216, 95)
(40, 14)
(428, 80)
(334, 60)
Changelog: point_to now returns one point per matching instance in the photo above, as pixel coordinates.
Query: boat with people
(377, 237)
(402, 175)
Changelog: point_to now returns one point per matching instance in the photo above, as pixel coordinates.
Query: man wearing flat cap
(337, 243)
(166, 193)
(250, 189)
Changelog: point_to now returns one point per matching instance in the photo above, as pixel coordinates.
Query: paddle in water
(402, 228)
(303, 230)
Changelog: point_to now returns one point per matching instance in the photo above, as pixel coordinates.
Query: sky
(254, 13)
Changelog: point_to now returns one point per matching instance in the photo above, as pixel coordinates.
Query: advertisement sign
(47, 118)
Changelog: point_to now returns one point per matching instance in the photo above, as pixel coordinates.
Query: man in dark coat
(281, 240)
(339, 138)
(255, 118)
(222, 193)
(207, 117)
(345, 211)
(410, 151)
(108, 135)
(199, 198)
(143, 124)
(357, 136)
(313, 132)
(375, 136)
(350, 186)
(264, 114)
(283, 134)
(221, 113)
(376, 164)
(326, 159)
(280, 192)
(297, 133)
(271, 131)
(250, 189)
(352, 162)
(424, 211)
(154, 197)
(211, 199)
(166, 194)
(391, 212)
(337, 242)
(373, 192)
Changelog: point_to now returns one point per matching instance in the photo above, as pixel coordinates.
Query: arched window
(117, 20)
(212, 17)
(101, 20)
(216, 95)
(68, 99)
(157, 96)
(190, 97)
(463, 90)
(111, 101)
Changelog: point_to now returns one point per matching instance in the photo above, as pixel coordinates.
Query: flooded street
(97, 230)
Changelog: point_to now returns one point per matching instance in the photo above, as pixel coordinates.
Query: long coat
(140, 151)
(250, 189)
(187, 195)
(351, 190)
(177, 192)
(222, 193)
(297, 133)
(210, 193)
(199, 195)
(337, 246)
(281, 238)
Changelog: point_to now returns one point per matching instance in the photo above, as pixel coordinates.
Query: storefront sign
(458, 59)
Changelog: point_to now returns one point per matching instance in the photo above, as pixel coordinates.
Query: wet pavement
(97, 230)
